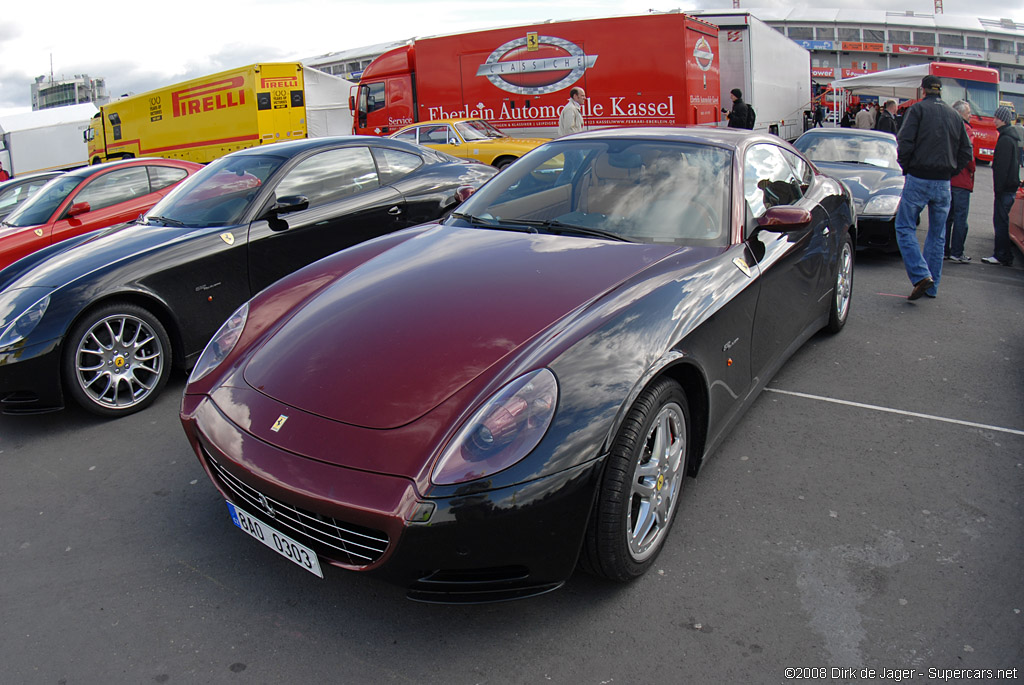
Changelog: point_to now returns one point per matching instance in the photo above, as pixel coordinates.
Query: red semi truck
(646, 70)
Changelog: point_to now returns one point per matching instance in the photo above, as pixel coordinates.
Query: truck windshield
(219, 195)
(477, 129)
(983, 97)
(38, 209)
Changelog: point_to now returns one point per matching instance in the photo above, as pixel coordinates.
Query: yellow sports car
(469, 139)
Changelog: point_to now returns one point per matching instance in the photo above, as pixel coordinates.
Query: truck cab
(385, 99)
(94, 140)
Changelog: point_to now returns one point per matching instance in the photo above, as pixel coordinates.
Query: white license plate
(277, 541)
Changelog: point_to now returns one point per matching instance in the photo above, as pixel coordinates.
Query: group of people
(936, 152)
(868, 118)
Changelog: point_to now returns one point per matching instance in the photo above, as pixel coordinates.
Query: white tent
(902, 82)
(327, 112)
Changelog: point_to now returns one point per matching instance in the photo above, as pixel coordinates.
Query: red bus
(979, 86)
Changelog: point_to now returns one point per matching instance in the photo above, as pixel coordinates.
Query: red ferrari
(88, 199)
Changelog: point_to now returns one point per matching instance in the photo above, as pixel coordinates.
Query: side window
(408, 136)
(375, 97)
(331, 175)
(768, 180)
(117, 186)
(435, 135)
(800, 167)
(394, 164)
(163, 176)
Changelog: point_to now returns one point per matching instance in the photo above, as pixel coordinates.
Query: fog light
(422, 512)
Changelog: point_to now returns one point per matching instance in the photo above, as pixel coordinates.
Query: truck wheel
(117, 360)
(96, 160)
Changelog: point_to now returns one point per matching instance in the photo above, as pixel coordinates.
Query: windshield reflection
(218, 195)
(634, 190)
(39, 208)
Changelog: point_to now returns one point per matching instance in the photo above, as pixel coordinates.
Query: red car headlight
(503, 431)
(222, 342)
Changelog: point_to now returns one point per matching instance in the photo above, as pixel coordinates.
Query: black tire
(116, 360)
(611, 549)
(842, 296)
(503, 162)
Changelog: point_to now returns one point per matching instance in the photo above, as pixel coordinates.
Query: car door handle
(395, 211)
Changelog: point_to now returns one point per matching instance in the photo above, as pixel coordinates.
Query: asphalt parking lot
(867, 513)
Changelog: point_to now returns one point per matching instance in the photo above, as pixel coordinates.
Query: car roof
(725, 137)
(867, 133)
(25, 178)
(84, 171)
(290, 148)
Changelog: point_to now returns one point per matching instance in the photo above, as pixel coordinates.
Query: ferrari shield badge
(280, 422)
(38, 232)
(742, 266)
(228, 237)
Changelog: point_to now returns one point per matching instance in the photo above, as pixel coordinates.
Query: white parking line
(898, 411)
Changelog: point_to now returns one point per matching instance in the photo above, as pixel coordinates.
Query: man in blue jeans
(932, 147)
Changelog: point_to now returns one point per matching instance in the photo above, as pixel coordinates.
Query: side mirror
(462, 193)
(784, 218)
(79, 208)
(351, 103)
(289, 204)
(453, 141)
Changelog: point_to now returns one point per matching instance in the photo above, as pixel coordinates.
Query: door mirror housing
(784, 218)
(289, 204)
(79, 208)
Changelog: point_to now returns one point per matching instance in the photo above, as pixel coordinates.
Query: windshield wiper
(562, 228)
(501, 224)
(165, 221)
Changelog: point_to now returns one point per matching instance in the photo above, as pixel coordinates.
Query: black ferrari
(104, 318)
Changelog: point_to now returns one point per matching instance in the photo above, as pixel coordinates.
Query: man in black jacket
(1005, 181)
(932, 146)
(887, 118)
(739, 116)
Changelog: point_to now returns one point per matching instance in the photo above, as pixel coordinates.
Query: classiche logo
(208, 97)
(703, 54)
(535, 64)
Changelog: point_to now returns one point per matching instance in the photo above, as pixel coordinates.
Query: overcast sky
(137, 47)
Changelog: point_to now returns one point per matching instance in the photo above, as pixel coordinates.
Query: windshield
(983, 97)
(477, 129)
(40, 207)
(634, 190)
(862, 149)
(218, 195)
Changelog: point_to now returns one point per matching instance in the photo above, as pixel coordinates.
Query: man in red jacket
(961, 187)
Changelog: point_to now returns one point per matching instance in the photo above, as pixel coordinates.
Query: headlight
(20, 327)
(222, 342)
(503, 431)
(882, 204)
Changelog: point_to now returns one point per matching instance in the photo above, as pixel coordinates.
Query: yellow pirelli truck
(206, 118)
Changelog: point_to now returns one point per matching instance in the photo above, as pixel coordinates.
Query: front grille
(329, 537)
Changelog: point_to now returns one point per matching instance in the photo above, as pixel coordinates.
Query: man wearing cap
(932, 147)
(1005, 181)
(738, 116)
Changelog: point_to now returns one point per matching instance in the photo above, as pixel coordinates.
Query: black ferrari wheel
(840, 308)
(641, 485)
(117, 360)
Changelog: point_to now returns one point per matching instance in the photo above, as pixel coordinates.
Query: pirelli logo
(229, 92)
(280, 82)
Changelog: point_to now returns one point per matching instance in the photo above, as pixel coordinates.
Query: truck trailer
(205, 118)
(645, 70)
(773, 72)
(45, 139)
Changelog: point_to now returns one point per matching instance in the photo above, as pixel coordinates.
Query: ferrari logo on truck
(536, 64)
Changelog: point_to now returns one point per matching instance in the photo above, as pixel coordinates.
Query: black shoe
(920, 287)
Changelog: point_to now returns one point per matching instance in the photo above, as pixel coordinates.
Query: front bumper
(30, 378)
(486, 546)
(877, 232)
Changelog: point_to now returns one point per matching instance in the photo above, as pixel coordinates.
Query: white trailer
(46, 139)
(773, 72)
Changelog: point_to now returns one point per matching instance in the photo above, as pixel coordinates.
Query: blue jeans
(956, 224)
(918, 192)
(1001, 222)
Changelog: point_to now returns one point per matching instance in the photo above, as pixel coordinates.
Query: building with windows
(846, 43)
(50, 92)
(349, 64)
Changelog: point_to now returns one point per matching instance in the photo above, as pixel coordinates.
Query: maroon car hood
(401, 333)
